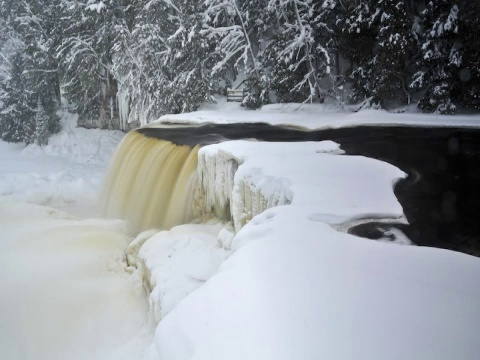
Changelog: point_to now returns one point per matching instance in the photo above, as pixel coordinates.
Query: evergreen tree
(17, 110)
(441, 57)
(38, 24)
(85, 56)
(188, 57)
(357, 44)
(236, 50)
(467, 85)
(327, 26)
(262, 24)
(301, 61)
(396, 46)
(140, 61)
(29, 131)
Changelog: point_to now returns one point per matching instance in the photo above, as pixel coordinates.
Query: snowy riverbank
(315, 116)
(66, 174)
(286, 286)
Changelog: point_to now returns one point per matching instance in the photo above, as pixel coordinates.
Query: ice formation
(237, 180)
(228, 198)
(123, 106)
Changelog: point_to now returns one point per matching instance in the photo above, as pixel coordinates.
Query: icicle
(123, 109)
(111, 108)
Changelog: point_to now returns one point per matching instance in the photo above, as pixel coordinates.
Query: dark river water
(440, 197)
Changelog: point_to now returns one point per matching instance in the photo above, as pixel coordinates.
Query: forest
(124, 62)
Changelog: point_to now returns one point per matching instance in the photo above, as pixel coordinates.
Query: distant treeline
(120, 61)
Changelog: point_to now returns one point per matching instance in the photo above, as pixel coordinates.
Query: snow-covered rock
(174, 263)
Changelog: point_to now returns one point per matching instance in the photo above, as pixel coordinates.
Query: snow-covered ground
(315, 116)
(297, 289)
(288, 285)
(66, 174)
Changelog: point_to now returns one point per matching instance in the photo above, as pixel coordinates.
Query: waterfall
(151, 183)
(155, 183)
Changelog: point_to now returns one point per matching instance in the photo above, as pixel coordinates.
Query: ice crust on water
(236, 181)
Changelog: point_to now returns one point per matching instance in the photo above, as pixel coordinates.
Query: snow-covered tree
(85, 56)
(188, 57)
(301, 62)
(17, 109)
(467, 85)
(38, 24)
(441, 56)
(396, 46)
(164, 63)
(32, 25)
(357, 44)
(139, 60)
(232, 24)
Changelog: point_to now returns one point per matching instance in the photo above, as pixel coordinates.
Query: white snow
(66, 174)
(297, 289)
(314, 116)
(174, 263)
(286, 286)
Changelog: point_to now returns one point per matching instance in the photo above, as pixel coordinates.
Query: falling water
(151, 183)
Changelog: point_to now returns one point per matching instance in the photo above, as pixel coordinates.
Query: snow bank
(241, 179)
(79, 145)
(297, 289)
(174, 263)
(66, 174)
(311, 116)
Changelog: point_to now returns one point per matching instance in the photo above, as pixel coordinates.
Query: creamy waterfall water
(151, 183)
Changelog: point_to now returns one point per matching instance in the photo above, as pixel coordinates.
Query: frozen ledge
(238, 180)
